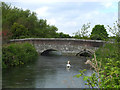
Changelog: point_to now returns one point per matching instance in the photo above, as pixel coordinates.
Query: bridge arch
(86, 53)
(50, 52)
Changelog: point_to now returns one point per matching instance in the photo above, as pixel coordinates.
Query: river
(47, 72)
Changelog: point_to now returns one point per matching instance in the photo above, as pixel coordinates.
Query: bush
(108, 51)
(17, 54)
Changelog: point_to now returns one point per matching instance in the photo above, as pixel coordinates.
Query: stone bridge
(64, 45)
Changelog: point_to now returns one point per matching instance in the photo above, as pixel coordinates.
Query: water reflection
(47, 72)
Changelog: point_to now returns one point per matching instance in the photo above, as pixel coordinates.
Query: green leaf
(85, 78)
(79, 75)
(112, 69)
(102, 76)
(105, 67)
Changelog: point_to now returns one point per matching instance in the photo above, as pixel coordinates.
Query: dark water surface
(47, 72)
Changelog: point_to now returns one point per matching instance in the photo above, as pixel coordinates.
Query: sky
(69, 15)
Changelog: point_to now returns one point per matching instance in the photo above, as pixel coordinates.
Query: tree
(5, 10)
(115, 29)
(99, 33)
(18, 31)
(19, 23)
(83, 32)
(52, 31)
(62, 35)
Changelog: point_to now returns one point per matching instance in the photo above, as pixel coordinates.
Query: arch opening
(85, 53)
(51, 52)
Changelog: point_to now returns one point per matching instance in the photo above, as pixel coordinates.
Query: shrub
(17, 54)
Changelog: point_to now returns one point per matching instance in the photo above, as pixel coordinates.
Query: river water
(47, 72)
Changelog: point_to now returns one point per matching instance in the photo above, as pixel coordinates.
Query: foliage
(99, 33)
(17, 54)
(96, 37)
(83, 32)
(62, 35)
(109, 50)
(106, 64)
(114, 29)
(106, 73)
(6, 35)
(18, 31)
(21, 23)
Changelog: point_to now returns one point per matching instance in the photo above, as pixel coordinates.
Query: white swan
(68, 65)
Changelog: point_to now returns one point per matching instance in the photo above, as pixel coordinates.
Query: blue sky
(69, 15)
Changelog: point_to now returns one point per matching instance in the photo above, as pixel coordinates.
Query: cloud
(69, 16)
(51, 21)
(42, 12)
(71, 20)
(107, 5)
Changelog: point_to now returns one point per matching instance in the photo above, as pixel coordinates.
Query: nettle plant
(94, 79)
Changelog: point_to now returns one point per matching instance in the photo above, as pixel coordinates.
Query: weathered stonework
(65, 45)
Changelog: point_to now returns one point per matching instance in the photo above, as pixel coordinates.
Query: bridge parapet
(58, 39)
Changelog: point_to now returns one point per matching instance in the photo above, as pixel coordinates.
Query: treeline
(18, 23)
(98, 32)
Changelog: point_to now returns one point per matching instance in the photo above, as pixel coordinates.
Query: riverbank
(106, 63)
(17, 54)
(110, 65)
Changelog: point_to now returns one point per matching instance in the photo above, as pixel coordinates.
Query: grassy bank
(17, 54)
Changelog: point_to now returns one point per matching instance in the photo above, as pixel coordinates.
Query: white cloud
(89, 16)
(42, 12)
(51, 21)
(107, 4)
(70, 23)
